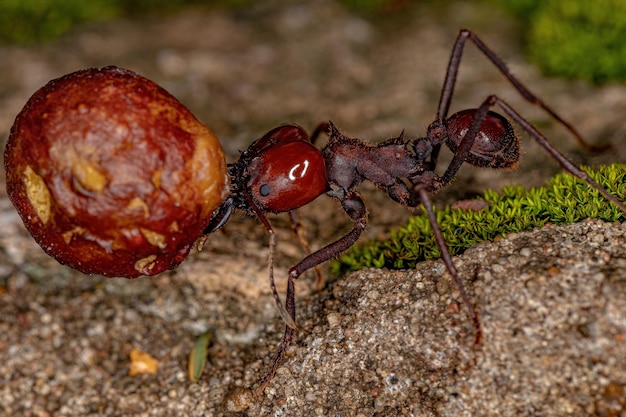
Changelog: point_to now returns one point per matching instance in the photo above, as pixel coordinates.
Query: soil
(376, 342)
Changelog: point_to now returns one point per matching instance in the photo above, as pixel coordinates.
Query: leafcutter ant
(283, 171)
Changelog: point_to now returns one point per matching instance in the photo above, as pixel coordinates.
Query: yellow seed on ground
(142, 363)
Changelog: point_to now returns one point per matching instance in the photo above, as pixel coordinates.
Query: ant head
(279, 172)
(495, 146)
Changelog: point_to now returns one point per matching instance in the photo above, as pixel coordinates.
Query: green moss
(564, 199)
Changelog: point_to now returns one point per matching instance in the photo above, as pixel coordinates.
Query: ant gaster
(284, 170)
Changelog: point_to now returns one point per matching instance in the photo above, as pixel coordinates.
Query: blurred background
(575, 39)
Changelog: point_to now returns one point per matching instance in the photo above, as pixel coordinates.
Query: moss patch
(564, 199)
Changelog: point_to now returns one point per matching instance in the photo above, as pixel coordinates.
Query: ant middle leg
(355, 208)
(296, 229)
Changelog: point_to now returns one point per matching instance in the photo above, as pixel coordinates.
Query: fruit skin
(111, 174)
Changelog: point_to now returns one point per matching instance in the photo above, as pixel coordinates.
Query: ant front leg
(355, 208)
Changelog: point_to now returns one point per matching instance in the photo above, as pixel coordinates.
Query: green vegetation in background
(25, 21)
(578, 39)
(31, 21)
(564, 199)
(34, 21)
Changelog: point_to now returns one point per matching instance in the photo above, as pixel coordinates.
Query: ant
(283, 171)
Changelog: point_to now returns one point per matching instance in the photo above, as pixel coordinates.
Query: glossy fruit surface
(111, 174)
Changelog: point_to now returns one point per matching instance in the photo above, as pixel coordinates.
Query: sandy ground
(393, 343)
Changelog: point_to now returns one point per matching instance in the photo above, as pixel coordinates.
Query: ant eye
(264, 190)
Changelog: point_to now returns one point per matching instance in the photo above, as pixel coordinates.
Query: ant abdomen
(495, 146)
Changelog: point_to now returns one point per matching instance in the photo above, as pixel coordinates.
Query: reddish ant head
(287, 176)
(496, 145)
(279, 172)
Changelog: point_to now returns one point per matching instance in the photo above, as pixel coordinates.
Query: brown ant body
(284, 170)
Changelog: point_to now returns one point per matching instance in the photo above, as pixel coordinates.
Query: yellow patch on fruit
(173, 227)
(67, 236)
(88, 176)
(145, 264)
(205, 155)
(38, 194)
(154, 238)
(138, 203)
(156, 178)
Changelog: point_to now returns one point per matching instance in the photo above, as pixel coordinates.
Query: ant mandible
(283, 171)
